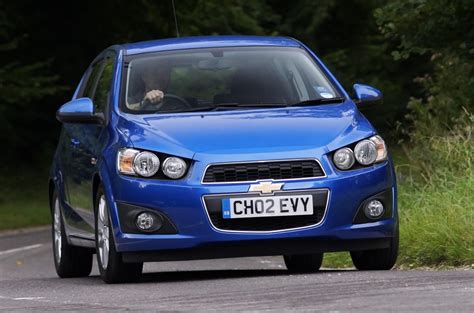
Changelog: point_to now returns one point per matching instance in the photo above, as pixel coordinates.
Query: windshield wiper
(234, 105)
(250, 105)
(318, 101)
(222, 106)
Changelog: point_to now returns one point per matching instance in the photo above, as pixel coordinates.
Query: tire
(69, 261)
(111, 267)
(303, 263)
(377, 260)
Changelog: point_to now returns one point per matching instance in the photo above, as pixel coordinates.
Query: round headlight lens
(174, 167)
(146, 164)
(365, 152)
(343, 158)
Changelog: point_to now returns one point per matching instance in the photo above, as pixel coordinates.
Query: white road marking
(21, 249)
(40, 299)
(28, 298)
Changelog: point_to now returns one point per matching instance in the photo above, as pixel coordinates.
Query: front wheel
(303, 263)
(111, 267)
(379, 259)
(69, 260)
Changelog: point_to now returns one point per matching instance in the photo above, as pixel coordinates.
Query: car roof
(206, 42)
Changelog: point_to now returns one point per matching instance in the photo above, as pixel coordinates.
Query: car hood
(267, 131)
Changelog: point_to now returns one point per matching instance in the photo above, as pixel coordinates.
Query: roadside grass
(438, 224)
(23, 201)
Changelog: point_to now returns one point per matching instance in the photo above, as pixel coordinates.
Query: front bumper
(257, 248)
(182, 202)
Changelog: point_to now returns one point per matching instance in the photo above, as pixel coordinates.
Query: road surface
(28, 283)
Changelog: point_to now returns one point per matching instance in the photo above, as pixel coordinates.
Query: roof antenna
(175, 19)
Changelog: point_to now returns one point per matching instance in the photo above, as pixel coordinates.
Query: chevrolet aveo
(214, 147)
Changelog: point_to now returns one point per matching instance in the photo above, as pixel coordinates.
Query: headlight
(371, 150)
(343, 158)
(174, 167)
(146, 164)
(365, 152)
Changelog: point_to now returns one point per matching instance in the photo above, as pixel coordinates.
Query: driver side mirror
(365, 95)
(79, 111)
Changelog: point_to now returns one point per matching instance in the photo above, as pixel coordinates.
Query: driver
(155, 80)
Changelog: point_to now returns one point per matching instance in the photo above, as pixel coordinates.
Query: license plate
(293, 205)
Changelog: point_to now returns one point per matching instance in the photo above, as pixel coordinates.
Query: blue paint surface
(226, 208)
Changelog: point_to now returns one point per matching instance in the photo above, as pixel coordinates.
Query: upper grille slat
(243, 172)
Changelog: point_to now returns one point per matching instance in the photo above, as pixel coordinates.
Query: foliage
(20, 85)
(436, 184)
(444, 31)
(213, 17)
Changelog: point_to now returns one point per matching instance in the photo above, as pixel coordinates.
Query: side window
(102, 91)
(88, 90)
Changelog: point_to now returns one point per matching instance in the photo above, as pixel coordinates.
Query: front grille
(242, 172)
(214, 209)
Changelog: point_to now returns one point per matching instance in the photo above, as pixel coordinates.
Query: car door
(70, 155)
(87, 142)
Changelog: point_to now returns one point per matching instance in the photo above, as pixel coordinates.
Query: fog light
(145, 221)
(374, 209)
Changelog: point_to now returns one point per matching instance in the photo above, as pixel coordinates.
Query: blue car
(215, 147)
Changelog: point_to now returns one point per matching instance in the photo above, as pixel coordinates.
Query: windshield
(200, 79)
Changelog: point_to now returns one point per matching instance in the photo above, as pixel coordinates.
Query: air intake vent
(248, 172)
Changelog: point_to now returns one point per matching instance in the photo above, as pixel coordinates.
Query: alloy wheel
(103, 232)
(57, 231)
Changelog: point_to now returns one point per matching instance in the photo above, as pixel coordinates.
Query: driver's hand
(154, 96)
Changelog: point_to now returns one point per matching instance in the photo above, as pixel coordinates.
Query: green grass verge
(19, 213)
(24, 202)
(437, 223)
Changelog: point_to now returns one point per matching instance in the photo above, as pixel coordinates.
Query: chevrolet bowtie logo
(266, 187)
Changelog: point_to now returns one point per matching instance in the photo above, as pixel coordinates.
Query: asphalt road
(28, 283)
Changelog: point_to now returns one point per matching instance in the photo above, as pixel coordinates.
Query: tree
(443, 31)
(21, 84)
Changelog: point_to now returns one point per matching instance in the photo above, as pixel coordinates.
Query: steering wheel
(169, 100)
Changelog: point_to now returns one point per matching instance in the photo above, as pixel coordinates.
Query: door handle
(75, 142)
